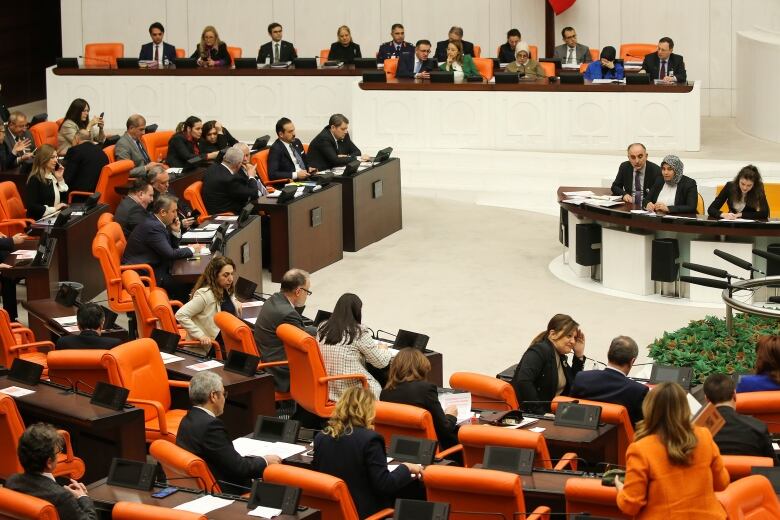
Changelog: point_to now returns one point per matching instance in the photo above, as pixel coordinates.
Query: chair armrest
(25, 333)
(360, 377)
(384, 513)
(178, 384)
(192, 342)
(12, 227)
(263, 365)
(35, 345)
(158, 409)
(176, 303)
(67, 449)
(78, 193)
(540, 513)
(449, 451)
(138, 267)
(568, 459)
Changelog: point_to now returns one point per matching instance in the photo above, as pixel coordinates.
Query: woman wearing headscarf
(673, 192)
(523, 63)
(605, 68)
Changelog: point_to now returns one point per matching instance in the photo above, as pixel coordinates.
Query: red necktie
(662, 73)
(156, 56)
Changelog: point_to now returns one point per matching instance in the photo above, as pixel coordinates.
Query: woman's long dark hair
(753, 197)
(344, 324)
(187, 123)
(74, 112)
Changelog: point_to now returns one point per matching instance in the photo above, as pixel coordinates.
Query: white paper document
(226, 218)
(175, 171)
(170, 358)
(538, 429)
(737, 220)
(15, 391)
(460, 399)
(586, 193)
(525, 422)
(66, 321)
(392, 467)
(607, 81)
(204, 505)
(205, 365)
(693, 404)
(603, 203)
(265, 512)
(25, 254)
(198, 234)
(247, 447)
(252, 303)
(251, 320)
(211, 227)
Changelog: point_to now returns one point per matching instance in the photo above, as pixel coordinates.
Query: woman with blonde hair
(46, 190)
(672, 468)
(211, 51)
(350, 449)
(344, 49)
(461, 64)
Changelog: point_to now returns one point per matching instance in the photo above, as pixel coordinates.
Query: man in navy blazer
(637, 165)
(665, 64)
(396, 47)
(157, 50)
(90, 319)
(612, 385)
(456, 33)
(333, 147)
(417, 65)
(277, 50)
(287, 158)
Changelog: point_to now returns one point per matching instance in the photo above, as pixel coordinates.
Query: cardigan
(197, 315)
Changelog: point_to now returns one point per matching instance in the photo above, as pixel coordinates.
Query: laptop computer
(245, 289)
(321, 316)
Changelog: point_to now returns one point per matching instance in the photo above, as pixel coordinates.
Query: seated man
(277, 50)
(202, 433)
(455, 34)
(417, 65)
(664, 64)
(636, 176)
(133, 209)
(84, 161)
(90, 319)
(287, 158)
(131, 147)
(742, 434)
(507, 51)
(157, 50)
(611, 384)
(396, 47)
(571, 52)
(8, 285)
(333, 147)
(226, 191)
(37, 451)
(19, 139)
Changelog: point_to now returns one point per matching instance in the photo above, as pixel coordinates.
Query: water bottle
(166, 63)
(671, 75)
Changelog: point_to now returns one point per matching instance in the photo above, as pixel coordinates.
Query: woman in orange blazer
(672, 468)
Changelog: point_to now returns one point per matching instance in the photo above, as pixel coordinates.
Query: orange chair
(324, 55)
(12, 210)
(145, 320)
(19, 342)
(180, 53)
(235, 52)
(20, 506)
(548, 68)
(474, 438)
(390, 67)
(484, 67)
(700, 204)
(102, 55)
(479, 493)
(764, 406)
(308, 379)
(11, 429)
(260, 160)
(636, 51)
(587, 495)
(156, 144)
(477, 51)
(112, 176)
(487, 393)
(77, 365)
(739, 466)
(45, 132)
(595, 55)
(403, 419)
(109, 151)
(320, 491)
(136, 511)
(184, 468)
(772, 191)
(750, 498)
(161, 309)
(137, 366)
(104, 219)
(194, 195)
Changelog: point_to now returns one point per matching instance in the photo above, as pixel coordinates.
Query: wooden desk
(371, 204)
(594, 446)
(184, 180)
(97, 433)
(41, 314)
(105, 496)
(307, 232)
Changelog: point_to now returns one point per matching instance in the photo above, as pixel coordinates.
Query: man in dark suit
(612, 385)
(333, 147)
(396, 47)
(416, 65)
(18, 138)
(202, 433)
(157, 50)
(132, 148)
(742, 434)
(636, 172)
(571, 52)
(84, 161)
(287, 158)
(8, 285)
(38, 448)
(507, 52)
(456, 33)
(132, 210)
(226, 191)
(277, 50)
(664, 64)
(90, 319)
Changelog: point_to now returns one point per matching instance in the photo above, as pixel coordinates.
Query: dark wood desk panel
(540, 85)
(594, 446)
(295, 242)
(97, 434)
(346, 70)
(183, 181)
(187, 270)
(369, 216)
(245, 248)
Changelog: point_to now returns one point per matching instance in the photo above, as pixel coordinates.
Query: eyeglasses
(305, 289)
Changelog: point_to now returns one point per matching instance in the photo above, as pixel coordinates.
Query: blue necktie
(298, 158)
(143, 152)
(417, 66)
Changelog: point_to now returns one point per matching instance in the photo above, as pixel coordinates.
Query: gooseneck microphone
(712, 271)
(744, 264)
(706, 282)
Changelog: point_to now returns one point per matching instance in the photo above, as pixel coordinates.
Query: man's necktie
(156, 53)
(143, 152)
(276, 53)
(570, 57)
(637, 189)
(662, 73)
(417, 66)
(298, 158)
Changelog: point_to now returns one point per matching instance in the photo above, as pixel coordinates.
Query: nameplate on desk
(316, 216)
(377, 189)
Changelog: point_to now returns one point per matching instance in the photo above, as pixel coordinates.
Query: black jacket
(68, 507)
(181, 150)
(743, 435)
(346, 54)
(38, 195)
(751, 213)
(611, 386)
(151, 243)
(224, 191)
(147, 51)
(506, 54)
(218, 54)
(686, 199)
(224, 140)
(286, 52)
(424, 395)
(406, 65)
(652, 65)
(280, 164)
(360, 460)
(83, 164)
(624, 180)
(87, 339)
(206, 436)
(129, 214)
(536, 376)
(441, 50)
(324, 152)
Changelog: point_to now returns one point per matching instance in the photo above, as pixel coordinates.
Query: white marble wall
(704, 30)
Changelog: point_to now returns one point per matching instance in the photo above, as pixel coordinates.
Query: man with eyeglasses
(571, 52)
(418, 65)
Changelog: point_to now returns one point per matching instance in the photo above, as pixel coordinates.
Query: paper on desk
(66, 321)
(775, 446)
(538, 429)
(679, 217)
(175, 171)
(265, 512)
(211, 227)
(15, 391)
(255, 448)
(205, 365)
(393, 351)
(274, 195)
(525, 422)
(199, 234)
(603, 81)
(72, 329)
(170, 358)
(392, 467)
(205, 504)
(693, 404)
(586, 193)
(251, 320)
(642, 212)
(576, 201)
(737, 220)
(24, 254)
(227, 218)
(460, 399)
(570, 66)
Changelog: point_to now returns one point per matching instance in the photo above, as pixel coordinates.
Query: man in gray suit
(572, 52)
(18, 138)
(130, 146)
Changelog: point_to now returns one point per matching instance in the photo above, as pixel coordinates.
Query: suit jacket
(441, 49)
(624, 180)
(39, 195)
(6, 247)
(220, 54)
(41, 486)
(743, 435)
(280, 164)
(582, 52)
(224, 191)
(277, 310)
(286, 52)
(652, 65)
(126, 148)
(506, 54)
(387, 50)
(360, 460)
(748, 212)
(7, 157)
(596, 71)
(323, 150)
(685, 199)
(536, 376)
(129, 214)
(151, 243)
(180, 151)
(83, 164)
(611, 386)
(147, 52)
(424, 395)
(87, 339)
(10, 140)
(406, 65)
(469, 69)
(206, 436)
(346, 54)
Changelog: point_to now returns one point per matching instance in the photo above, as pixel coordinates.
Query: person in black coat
(333, 146)
(637, 164)
(418, 64)
(507, 51)
(84, 161)
(9, 158)
(215, 138)
(183, 145)
(344, 49)
(455, 34)
(90, 318)
(544, 372)
(165, 51)
(8, 285)
(226, 191)
(349, 448)
(664, 64)
(673, 192)
(132, 209)
(612, 385)
(287, 159)
(46, 190)
(744, 197)
(268, 51)
(211, 51)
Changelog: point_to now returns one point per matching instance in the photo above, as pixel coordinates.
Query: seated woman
(215, 138)
(605, 68)
(347, 346)
(211, 51)
(77, 118)
(523, 63)
(350, 449)
(672, 468)
(673, 192)
(183, 145)
(544, 372)
(46, 190)
(462, 65)
(344, 49)
(744, 197)
(406, 384)
(767, 375)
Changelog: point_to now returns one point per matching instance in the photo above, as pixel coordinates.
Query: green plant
(706, 345)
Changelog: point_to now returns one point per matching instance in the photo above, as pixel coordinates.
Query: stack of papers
(199, 234)
(25, 254)
(226, 218)
(170, 358)
(588, 197)
(247, 447)
(66, 321)
(205, 365)
(265, 512)
(204, 504)
(15, 391)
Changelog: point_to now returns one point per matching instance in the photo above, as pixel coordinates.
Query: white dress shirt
(297, 166)
(667, 194)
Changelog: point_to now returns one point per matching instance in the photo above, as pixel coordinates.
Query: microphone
(706, 282)
(712, 271)
(736, 261)
(99, 59)
(376, 336)
(70, 382)
(774, 257)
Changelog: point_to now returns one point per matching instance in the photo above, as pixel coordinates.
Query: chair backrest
(20, 506)
(160, 306)
(403, 419)
(235, 52)
(194, 195)
(764, 406)
(750, 498)
(7, 339)
(534, 50)
(109, 151)
(390, 67)
(739, 466)
(484, 67)
(180, 53)
(587, 495)
(772, 192)
(108, 246)
(45, 132)
(306, 369)
(103, 55)
(635, 51)
(11, 205)
(595, 55)
(260, 160)
(77, 365)
(11, 428)
(136, 511)
(105, 218)
(320, 491)
(236, 333)
(700, 204)
(487, 393)
(548, 68)
(179, 463)
(474, 438)
(324, 55)
(477, 51)
(112, 176)
(139, 292)
(157, 144)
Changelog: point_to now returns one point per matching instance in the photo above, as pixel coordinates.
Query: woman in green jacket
(462, 65)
